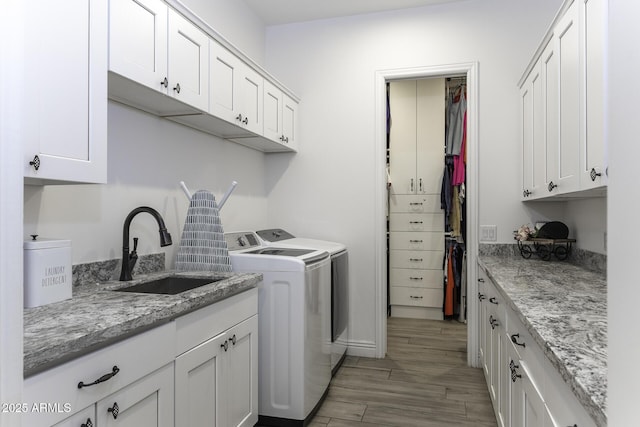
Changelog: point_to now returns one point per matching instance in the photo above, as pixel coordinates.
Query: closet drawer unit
(420, 297)
(416, 222)
(429, 260)
(417, 241)
(415, 203)
(416, 278)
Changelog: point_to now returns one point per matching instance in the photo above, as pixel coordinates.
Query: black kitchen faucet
(129, 259)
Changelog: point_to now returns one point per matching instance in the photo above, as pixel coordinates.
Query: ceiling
(275, 12)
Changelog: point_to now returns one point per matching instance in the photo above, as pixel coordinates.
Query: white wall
(331, 64)
(587, 222)
(147, 158)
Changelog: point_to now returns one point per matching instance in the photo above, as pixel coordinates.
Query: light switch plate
(488, 233)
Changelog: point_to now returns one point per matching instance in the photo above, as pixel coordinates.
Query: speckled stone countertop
(97, 316)
(564, 307)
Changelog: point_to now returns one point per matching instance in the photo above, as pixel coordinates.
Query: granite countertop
(97, 316)
(564, 307)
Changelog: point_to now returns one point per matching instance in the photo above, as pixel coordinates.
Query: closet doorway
(431, 237)
(426, 224)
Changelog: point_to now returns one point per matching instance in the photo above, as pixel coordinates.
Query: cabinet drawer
(197, 327)
(420, 297)
(429, 260)
(61, 382)
(417, 241)
(415, 204)
(416, 278)
(416, 222)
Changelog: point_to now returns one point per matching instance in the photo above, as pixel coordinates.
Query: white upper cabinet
(165, 60)
(563, 135)
(593, 168)
(539, 126)
(289, 122)
(188, 62)
(533, 148)
(138, 41)
(280, 116)
(66, 130)
(235, 90)
(272, 112)
(566, 177)
(153, 46)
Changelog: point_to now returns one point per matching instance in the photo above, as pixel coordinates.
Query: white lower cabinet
(147, 402)
(525, 389)
(216, 381)
(217, 364)
(201, 369)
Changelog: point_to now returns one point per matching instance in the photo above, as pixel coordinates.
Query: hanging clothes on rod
(456, 110)
(452, 200)
(455, 281)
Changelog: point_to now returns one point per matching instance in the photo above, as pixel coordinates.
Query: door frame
(470, 69)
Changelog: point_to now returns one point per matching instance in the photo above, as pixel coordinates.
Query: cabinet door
(430, 138)
(138, 41)
(289, 122)
(538, 161)
(485, 326)
(242, 374)
(67, 125)
(593, 147)
(272, 112)
(550, 91)
(198, 388)
(224, 73)
(402, 151)
(526, 128)
(188, 62)
(496, 369)
(568, 54)
(533, 408)
(250, 90)
(83, 418)
(147, 402)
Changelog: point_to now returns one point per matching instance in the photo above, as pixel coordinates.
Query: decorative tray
(545, 248)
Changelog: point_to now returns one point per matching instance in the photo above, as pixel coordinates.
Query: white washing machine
(339, 285)
(294, 367)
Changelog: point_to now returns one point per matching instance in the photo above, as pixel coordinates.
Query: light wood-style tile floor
(423, 382)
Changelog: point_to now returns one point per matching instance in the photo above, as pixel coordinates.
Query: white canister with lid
(47, 271)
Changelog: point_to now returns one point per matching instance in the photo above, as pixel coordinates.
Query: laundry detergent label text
(54, 276)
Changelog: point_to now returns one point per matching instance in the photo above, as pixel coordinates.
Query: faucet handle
(133, 256)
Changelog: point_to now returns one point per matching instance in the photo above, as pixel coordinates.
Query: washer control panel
(241, 240)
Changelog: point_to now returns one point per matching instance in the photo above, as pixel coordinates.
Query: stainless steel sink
(169, 285)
